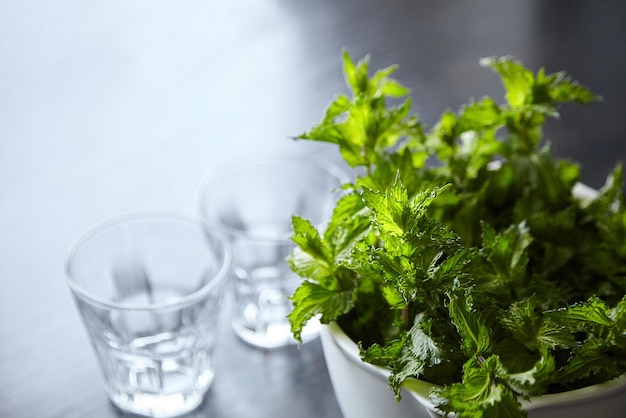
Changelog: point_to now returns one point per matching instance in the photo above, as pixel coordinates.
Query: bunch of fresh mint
(461, 256)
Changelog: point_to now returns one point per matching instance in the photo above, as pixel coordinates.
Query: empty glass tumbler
(149, 290)
(253, 203)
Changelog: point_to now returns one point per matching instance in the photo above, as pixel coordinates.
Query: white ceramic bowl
(362, 391)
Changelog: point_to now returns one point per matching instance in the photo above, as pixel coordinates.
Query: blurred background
(109, 107)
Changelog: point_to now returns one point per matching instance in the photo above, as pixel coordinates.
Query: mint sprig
(461, 256)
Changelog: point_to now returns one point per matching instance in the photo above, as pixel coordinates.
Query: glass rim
(181, 302)
(213, 177)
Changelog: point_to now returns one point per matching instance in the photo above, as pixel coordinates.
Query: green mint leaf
(444, 273)
(593, 362)
(523, 88)
(477, 116)
(528, 326)
(349, 222)
(583, 315)
(328, 130)
(524, 322)
(392, 88)
(618, 316)
(481, 394)
(507, 252)
(558, 87)
(382, 82)
(393, 127)
(384, 355)
(395, 213)
(442, 138)
(611, 193)
(356, 74)
(423, 346)
(390, 208)
(535, 380)
(404, 364)
(517, 79)
(471, 326)
(608, 209)
(408, 355)
(412, 361)
(311, 299)
(311, 258)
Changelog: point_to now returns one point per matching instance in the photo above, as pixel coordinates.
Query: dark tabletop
(119, 106)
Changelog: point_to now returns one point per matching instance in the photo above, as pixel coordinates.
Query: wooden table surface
(119, 106)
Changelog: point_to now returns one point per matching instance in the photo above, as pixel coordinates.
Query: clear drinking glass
(252, 203)
(149, 288)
